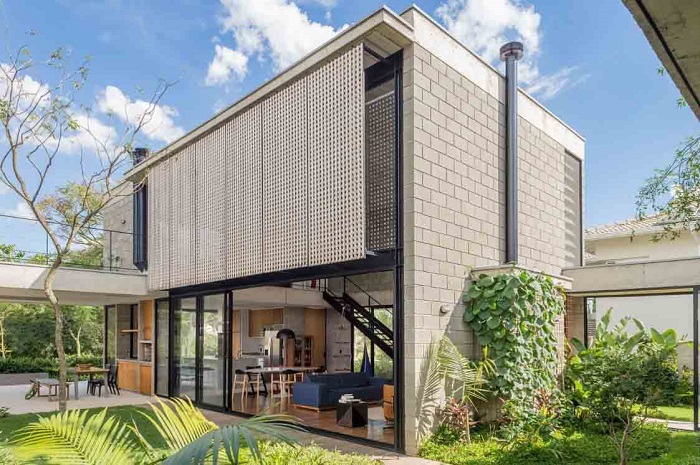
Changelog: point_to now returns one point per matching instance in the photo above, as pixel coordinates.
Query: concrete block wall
(454, 207)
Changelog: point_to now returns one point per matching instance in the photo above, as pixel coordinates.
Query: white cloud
(277, 29)
(92, 135)
(159, 125)
(24, 91)
(21, 210)
(226, 63)
(548, 86)
(485, 25)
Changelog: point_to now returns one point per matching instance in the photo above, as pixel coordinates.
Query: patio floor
(13, 397)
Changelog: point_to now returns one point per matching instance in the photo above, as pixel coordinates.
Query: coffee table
(351, 414)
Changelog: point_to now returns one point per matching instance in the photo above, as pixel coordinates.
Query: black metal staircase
(363, 319)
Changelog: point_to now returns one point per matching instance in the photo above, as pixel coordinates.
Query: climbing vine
(514, 315)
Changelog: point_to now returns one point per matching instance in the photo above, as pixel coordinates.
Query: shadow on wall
(429, 404)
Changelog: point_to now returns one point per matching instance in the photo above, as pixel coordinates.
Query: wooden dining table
(262, 371)
(91, 371)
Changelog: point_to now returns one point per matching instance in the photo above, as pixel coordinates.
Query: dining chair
(284, 381)
(240, 379)
(255, 380)
(94, 383)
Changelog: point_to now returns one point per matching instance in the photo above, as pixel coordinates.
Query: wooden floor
(324, 420)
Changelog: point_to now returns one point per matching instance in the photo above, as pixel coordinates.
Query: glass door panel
(162, 346)
(185, 349)
(213, 361)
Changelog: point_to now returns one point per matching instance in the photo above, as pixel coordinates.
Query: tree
(673, 193)
(40, 118)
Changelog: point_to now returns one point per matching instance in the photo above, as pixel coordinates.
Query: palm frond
(465, 376)
(178, 422)
(430, 386)
(74, 437)
(227, 441)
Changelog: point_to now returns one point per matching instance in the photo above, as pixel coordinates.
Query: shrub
(41, 364)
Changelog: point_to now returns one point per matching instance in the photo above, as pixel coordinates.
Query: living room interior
(302, 360)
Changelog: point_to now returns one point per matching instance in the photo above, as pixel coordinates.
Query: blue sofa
(322, 391)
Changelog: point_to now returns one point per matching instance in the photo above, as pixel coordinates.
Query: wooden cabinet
(315, 327)
(128, 376)
(236, 333)
(145, 379)
(147, 319)
(259, 319)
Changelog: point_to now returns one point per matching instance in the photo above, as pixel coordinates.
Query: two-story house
(347, 197)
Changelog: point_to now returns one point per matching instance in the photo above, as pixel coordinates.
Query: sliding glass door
(213, 350)
(199, 349)
(185, 348)
(162, 358)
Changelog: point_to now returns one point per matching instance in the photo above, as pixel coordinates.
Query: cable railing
(23, 240)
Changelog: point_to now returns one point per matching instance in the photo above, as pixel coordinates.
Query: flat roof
(672, 28)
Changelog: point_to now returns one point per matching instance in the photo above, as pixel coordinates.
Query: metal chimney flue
(511, 53)
(139, 154)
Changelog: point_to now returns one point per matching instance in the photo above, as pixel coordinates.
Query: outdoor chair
(112, 383)
(94, 383)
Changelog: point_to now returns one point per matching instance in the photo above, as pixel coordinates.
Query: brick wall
(454, 207)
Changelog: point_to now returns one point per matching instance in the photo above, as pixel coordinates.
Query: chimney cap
(512, 50)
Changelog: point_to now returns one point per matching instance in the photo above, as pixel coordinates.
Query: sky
(588, 63)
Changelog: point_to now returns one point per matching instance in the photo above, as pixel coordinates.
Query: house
(640, 241)
(347, 198)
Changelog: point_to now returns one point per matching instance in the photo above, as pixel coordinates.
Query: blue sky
(591, 66)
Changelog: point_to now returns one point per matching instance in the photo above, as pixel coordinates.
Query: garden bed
(654, 445)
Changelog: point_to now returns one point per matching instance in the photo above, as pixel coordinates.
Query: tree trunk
(58, 334)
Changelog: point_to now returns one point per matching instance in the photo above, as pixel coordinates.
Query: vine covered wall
(513, 315)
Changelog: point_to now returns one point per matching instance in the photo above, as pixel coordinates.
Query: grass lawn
(677, 412)
(275, 454)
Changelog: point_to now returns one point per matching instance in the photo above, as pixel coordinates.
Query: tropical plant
(463, 380)
(622, 377)
(75, 437)
(514, 316)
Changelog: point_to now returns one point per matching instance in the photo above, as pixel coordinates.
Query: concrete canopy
(73, 286)
(650, 277)
(672, 27)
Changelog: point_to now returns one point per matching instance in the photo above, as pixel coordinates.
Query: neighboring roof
(672, 27)
(625, 228)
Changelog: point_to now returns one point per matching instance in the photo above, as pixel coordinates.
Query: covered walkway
(648, 279)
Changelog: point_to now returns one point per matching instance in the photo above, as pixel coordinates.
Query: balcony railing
(24, 240)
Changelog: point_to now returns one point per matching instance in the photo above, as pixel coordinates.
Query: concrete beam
(73, 286)
(659, 276)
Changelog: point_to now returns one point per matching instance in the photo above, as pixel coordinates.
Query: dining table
(262, 371)
(90, 371)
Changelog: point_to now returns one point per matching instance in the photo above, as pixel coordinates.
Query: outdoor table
(265, 370)
(87, 371)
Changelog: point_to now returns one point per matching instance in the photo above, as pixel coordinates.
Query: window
(140, 223)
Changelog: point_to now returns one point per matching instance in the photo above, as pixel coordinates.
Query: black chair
(112, 383)
(97, 383)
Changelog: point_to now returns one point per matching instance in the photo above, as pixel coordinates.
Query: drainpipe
(511, 53)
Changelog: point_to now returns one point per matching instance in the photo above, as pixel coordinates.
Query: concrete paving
(13, 397)
(387, 457)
